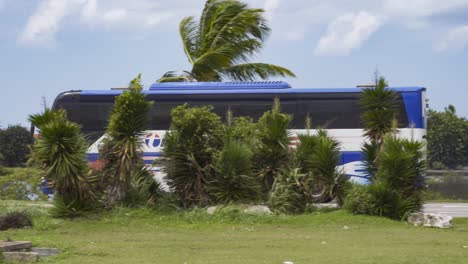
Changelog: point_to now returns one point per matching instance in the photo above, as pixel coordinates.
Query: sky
(50, 46)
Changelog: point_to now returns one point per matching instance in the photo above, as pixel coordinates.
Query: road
(452, 209)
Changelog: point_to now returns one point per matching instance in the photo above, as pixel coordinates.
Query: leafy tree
(60, 152)
(447, 138)
(14, 145)
(190, 147)
(121, 152)
(219, 46)
(272, 153)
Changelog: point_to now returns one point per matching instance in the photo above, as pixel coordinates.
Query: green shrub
(291, 192)
(401, 166)
(241, 129)
(318, 155)
(359, 200)
(380, 200)
(60, 153)
(324, 162)
(234, 180)
(122, 148)
(447, 138)
(272, 154)
(190, 147)
(21, 184)
(15, 220)
(14, 145)
(143, 189)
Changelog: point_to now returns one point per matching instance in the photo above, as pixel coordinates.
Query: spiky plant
(272, 152)
(234, 180)
(290, 192)
(323, 162)
(370, 151)
(60, 152)
(221, 43)
(121, 152)
(401, 166)
(143, 189)
(190, 145)
(380, 107)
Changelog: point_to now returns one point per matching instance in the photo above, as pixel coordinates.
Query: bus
(337, 110)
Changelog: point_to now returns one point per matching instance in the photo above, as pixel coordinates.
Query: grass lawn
(145, 236)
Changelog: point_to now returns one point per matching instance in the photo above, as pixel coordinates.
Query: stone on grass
(14, 245)
(257, 209)
(211, 210)
(430, 220)
(20, 256)
(45, 252)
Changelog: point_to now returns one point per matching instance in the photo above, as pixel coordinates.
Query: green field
(145, 236)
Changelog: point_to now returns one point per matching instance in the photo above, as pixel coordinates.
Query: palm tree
(121, 152)
(379, 104)
(60, 153)
(219, 46)
(380, 110)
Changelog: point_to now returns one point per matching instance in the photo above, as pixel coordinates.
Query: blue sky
(49, 46)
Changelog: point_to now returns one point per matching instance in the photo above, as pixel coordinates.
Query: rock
(20, 256)
(14, 245)
(45, 252)
(211, 210)
(430, 220)
(257, 209)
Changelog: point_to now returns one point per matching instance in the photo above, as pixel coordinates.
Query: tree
(447, 138)
(60, 152)
(379, 105)
(14, 145)
(189, 151)
(219, 46)
(121, 152)
(380, 110)
(272, 153)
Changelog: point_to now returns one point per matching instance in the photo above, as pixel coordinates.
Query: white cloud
(49, 16)
(45, 22)
(346, 33)
(456, 39)
(290, 20)
(140, 14)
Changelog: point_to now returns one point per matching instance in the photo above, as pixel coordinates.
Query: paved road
(452, 209)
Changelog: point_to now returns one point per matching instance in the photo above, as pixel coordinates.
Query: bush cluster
(208, 161)
(394, 165)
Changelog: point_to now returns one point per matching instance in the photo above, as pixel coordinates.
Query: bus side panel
(414, 109)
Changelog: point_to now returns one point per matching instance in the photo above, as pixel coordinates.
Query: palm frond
(252, 71)
(188, 33)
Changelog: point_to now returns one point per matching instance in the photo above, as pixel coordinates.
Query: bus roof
(236, 90)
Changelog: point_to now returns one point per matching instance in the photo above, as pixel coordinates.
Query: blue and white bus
(336, 109)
